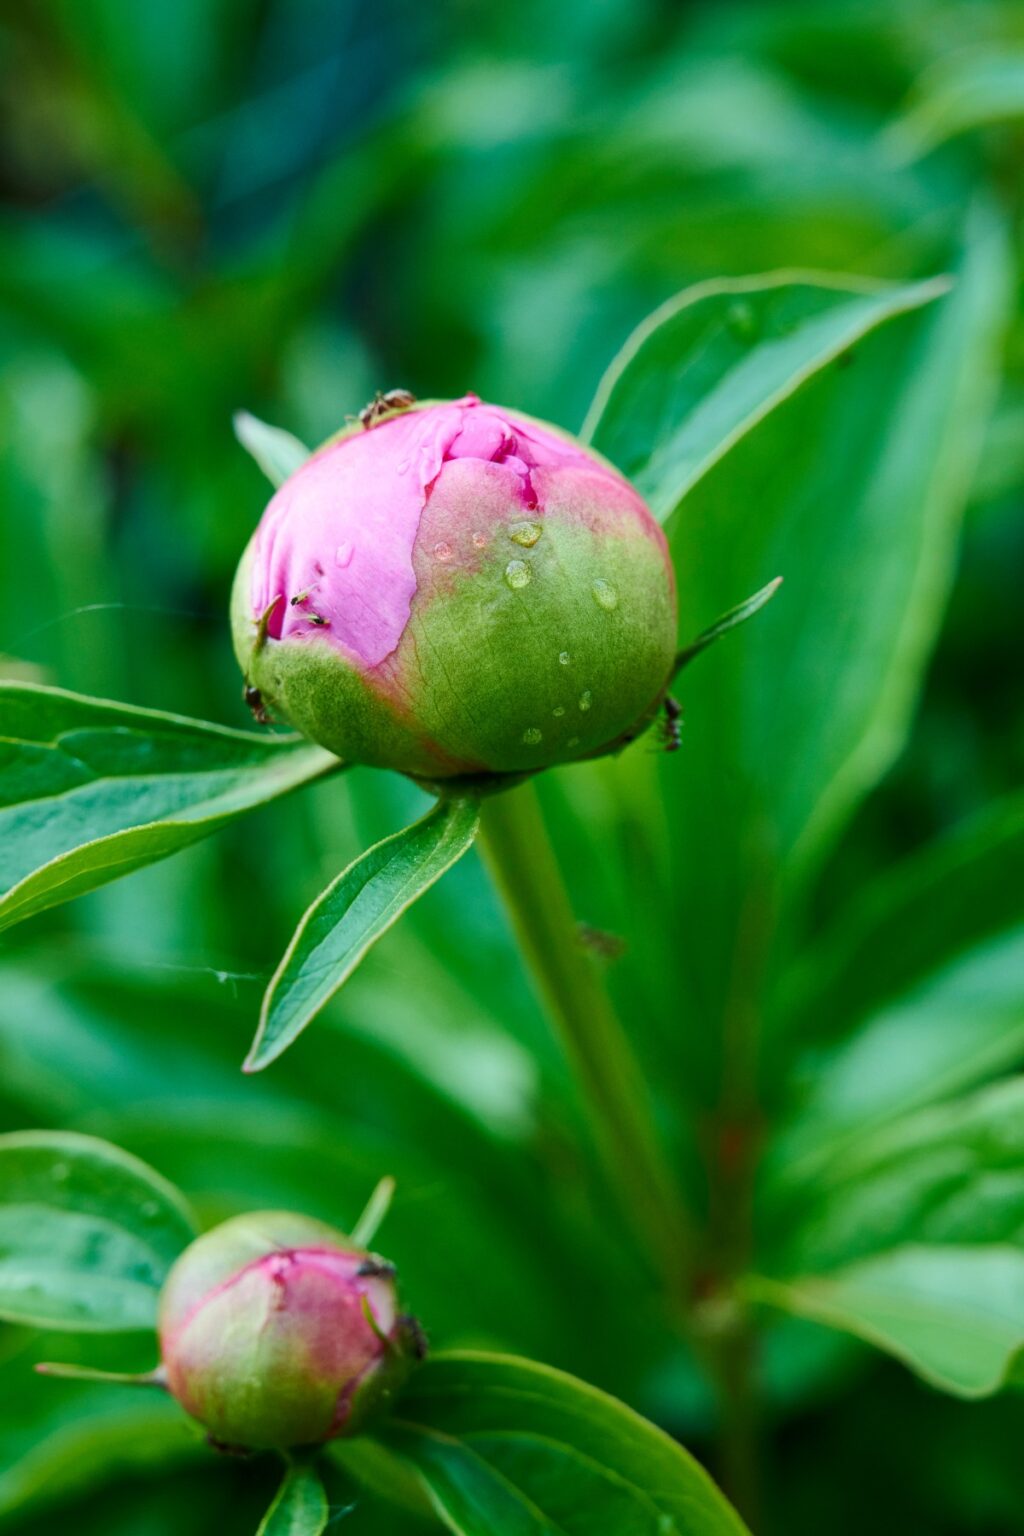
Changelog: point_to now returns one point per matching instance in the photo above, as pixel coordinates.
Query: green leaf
(969, 89)
(954, 1315)
(87, 1233)
(277, 452)
(352, 914)
(960, 1028)
(91, 790)
(713, 362)
(947, 1174)
(730, 620)
(300, 1508)
(854, 488)
(507, 1447)
(912, 922)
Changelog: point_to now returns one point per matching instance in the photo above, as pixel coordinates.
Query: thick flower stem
(522, 863)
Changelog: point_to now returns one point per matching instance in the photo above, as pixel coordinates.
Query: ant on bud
(254, 699)
(382, 404)
(670, 730)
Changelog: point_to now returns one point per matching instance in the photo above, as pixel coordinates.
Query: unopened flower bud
(458, 590)
(275, 1331)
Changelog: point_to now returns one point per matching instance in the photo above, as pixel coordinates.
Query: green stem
(519, 855)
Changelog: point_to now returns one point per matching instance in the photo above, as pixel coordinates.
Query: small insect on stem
(383, 404)
(671, 727)
(254, 699)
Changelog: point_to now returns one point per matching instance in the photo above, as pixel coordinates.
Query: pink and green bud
(458, 590)
(275, 1332)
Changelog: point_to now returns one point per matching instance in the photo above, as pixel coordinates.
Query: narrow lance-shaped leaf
(87, 1233)
(300, 1508)
(704, 369)
(507, 1447)
(361, 904)
(955, 1315)
(276, 451)
(730, 620)
(91, 790)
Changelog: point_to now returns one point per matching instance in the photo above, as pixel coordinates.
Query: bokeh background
(283, 205)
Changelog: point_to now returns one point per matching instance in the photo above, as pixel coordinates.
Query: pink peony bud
(275, 1331)
(458, 590)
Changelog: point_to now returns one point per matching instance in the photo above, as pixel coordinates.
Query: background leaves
(282, 209)
(87, 1233)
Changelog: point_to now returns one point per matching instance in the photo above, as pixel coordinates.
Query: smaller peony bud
(276, 1331)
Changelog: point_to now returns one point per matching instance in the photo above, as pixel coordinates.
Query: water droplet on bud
(564, 658)
(573, 741)
(531, 736)
(605, 595)
(480, 540)
(585, 700)
(442, 551)
(343, 554)
(558, 711)
(518, 574)
(525, 534)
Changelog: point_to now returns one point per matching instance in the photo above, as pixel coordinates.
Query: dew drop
(558, 711)
(442, 551)
(343, 554)
(531, 736)
(585, 700)
(60, 1172)
(573, 741)
(518, 574)
(480, 540)
(564, 658)
(149, 1210)
(525, 534)
(605, 595)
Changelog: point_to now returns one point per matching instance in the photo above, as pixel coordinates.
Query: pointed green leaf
(68, 1371)
(710, 364)
(300, 1508)
(954, 1315)
(90, 790)
(507, 1447)
(276, 451)
(729, 620)
(351, 915)
(87, 1233)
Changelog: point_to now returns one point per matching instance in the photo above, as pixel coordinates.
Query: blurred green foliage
(222, 204)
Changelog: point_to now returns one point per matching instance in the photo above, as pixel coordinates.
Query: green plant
(767, 1158)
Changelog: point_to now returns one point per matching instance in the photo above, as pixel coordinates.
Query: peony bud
(457, 591)
(275, 1332)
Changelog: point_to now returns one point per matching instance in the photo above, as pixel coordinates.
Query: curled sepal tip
(730, 620)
